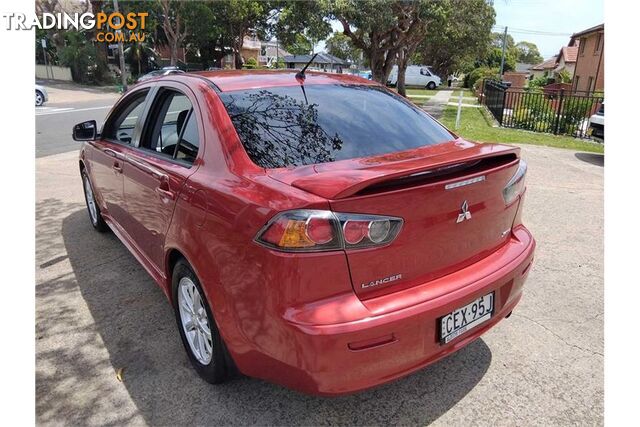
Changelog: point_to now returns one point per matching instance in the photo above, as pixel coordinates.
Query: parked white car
(41, 95)
(416, 75)
(596, 125)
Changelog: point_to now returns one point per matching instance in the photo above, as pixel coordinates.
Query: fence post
(558, 113)
(459, 109)
(504, 101)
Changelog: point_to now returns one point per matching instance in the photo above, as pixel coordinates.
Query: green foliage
(80, 56)
(374, 27)
(480, 73)
(494, 59)
(250, 64)
(301, 45)
(496, 41)
(528, 53)
(279, 64)
(341, 46)
(564, 76)
(138, 55)
(458, 37)
(534, 113)
(475, 126)
(538, 82)
(301, 17)
(574, 111)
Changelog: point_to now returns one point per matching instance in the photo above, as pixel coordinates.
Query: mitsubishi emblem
(464, 214)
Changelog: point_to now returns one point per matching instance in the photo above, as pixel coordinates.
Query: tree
(341, 46)
(494, 58)
(138, 53)
(207, 38)
(564, 76)
(387, 32)
(456, 40)
(300, 46)
(528, 53)
(294, 18)
(174, 25)
(240, 16)
(496, 40)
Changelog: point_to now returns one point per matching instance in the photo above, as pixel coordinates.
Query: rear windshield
(295, 125)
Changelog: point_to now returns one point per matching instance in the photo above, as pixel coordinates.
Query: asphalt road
(97, 311)
(67, 106)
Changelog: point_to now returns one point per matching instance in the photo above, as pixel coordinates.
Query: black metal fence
(556, 111)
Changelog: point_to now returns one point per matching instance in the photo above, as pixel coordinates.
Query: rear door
(156, 170)
(107, 159)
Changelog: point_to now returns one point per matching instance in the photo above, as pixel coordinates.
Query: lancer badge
(465, 214)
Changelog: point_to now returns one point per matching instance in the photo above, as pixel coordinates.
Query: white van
(416, 75)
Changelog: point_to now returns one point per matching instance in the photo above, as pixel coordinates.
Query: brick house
(544, 69)
(566, 59)
(589, 68)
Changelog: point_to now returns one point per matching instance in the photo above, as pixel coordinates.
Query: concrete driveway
(97, 311)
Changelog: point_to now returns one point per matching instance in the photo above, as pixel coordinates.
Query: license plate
(466, 318)
(589, 131)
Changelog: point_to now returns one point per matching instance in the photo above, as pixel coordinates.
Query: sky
(555, 19)
(559, 17)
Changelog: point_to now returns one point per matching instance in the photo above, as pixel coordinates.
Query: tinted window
(286, 126)
(121, 125)
(174, 132)
(190, 140)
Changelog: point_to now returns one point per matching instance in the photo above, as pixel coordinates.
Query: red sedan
(318, 231)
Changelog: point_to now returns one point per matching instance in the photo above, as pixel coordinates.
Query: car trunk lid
(449, 196)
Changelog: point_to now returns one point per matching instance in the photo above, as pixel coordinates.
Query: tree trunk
(237, 60)
(380, 65)
(174, 52)
(403, 61)
(237, 57)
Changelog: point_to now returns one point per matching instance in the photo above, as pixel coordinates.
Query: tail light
(307, 230)
(515, 186)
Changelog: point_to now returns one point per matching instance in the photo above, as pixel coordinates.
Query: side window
(120, 126)
(172, 129)
(190, 140)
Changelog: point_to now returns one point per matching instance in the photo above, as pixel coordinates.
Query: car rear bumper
(378, 340)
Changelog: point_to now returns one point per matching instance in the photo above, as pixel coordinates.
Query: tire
(212, 362)
(39, 98)
(431, 85)
(95, 216)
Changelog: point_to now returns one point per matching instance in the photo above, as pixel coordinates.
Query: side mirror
(85, 131)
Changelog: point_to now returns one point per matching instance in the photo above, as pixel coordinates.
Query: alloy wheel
(91, 202)
(195, 321)
(39, 98)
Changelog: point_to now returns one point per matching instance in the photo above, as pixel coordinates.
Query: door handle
(164, 191)
(110, 152)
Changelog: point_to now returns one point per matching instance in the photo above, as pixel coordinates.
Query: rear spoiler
(339, 183)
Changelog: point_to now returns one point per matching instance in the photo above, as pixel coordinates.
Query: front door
(156, 170)
(108, 156)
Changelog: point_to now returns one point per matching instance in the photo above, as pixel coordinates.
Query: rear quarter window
(301, 125)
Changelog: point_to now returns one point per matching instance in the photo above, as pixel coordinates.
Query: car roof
(230, 80)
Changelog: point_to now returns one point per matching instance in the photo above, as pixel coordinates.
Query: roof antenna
(300, 74)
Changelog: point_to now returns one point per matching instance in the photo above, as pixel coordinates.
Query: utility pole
(44, 53)
(123, 72)
(504, 46)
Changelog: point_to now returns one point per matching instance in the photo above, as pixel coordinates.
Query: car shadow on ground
(138, 329)
(592, 158)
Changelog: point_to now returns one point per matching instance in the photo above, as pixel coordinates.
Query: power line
(532, 32)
